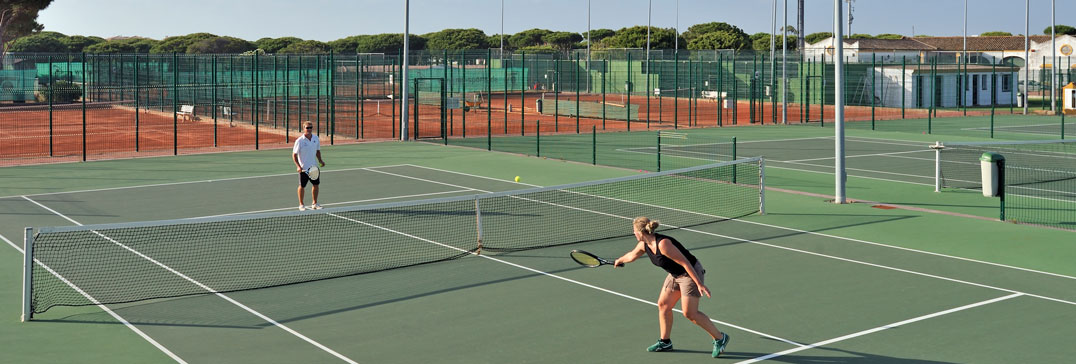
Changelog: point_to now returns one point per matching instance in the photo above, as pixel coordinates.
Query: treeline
(714, 35)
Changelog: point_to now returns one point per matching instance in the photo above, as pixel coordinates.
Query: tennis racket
(590, 260)
(313, 172)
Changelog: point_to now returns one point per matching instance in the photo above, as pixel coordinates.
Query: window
(1006, 83)
(983, 83)
(967, 86)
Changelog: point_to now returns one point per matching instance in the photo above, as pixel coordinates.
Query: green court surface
(935, 281)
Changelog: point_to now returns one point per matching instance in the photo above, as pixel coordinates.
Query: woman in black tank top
(684, 283)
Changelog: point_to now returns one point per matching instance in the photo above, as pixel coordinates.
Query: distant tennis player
(307, 147)
(683, 283)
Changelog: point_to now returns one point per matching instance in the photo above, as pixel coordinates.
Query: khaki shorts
(684, 283)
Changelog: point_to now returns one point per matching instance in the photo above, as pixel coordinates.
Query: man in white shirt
(307, 147)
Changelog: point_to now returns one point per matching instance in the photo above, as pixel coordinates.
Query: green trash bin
(990, 165)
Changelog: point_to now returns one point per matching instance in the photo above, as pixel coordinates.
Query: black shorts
(303, 179)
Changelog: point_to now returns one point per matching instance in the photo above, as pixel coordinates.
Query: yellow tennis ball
(517, 178)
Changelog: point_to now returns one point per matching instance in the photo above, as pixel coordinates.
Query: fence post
(659, 151)
(175, 104)
(522, 91)
(52, 85)
(214, 101)
(605, 67)
(628, 87)
(489, 99)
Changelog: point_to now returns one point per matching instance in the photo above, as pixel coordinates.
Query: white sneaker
(315, 207)
(302, 208)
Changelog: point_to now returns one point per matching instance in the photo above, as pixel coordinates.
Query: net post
(937, 165)
(733, 158)
(761, 186)
(478, 224)
(659, 151)
(27, 274)
(1001, 188)
(593, 144)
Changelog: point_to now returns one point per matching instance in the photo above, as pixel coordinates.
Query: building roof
(975, 43)
(1006, 43)
(894, 44)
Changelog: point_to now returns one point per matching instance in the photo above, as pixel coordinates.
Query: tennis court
(805, 282)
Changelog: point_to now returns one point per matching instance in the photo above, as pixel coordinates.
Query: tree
(391, 43)
(18, 18)
(815, 37)
(635, 37)
(527, 38)
(220, 45)
(495, 41)
(562, 40)
(456, 39)
(860, 36)
(598, 34)
(179, 44)
(1061, 29)
(698, 30)
(307, 47)
(78, 43)
(762, 42)
(129, 45)
(997, 34)
(38, 43)
(889, 36)
(274, 45)
(718, 40)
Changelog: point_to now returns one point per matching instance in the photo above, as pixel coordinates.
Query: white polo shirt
(307, 149)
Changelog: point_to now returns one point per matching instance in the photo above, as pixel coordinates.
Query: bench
(187, 112)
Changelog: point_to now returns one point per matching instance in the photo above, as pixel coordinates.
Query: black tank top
(667, 263)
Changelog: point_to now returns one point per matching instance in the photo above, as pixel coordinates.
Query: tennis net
(1027, 162)
(131, 262)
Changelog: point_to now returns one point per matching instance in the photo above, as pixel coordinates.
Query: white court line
(203, 286)
(102, 307)
(564, 279)
(337, 203)
(821, 234)
(192, 182)
(861, 170)
(879, 328)
(859, 155)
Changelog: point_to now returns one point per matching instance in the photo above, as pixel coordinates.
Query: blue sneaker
(660, 346)
(719, 345)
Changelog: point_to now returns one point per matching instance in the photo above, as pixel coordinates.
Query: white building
(953, 86)
(981, 50)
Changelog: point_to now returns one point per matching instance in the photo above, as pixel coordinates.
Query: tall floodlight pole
(784, 67)
(502, 33)
(588, 45)
(649, 6)
(403, 83)
(676, 28)
(1027, 56)
(964, 54)
(799, 28)
(1053, 58)
(773, 30)
(838, 102)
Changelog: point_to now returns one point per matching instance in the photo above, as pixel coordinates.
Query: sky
(327, 20)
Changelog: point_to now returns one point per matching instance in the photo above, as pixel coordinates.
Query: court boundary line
(820, 234)
(114, 315)
(186, 182)
(205, 287)
(880, 328)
